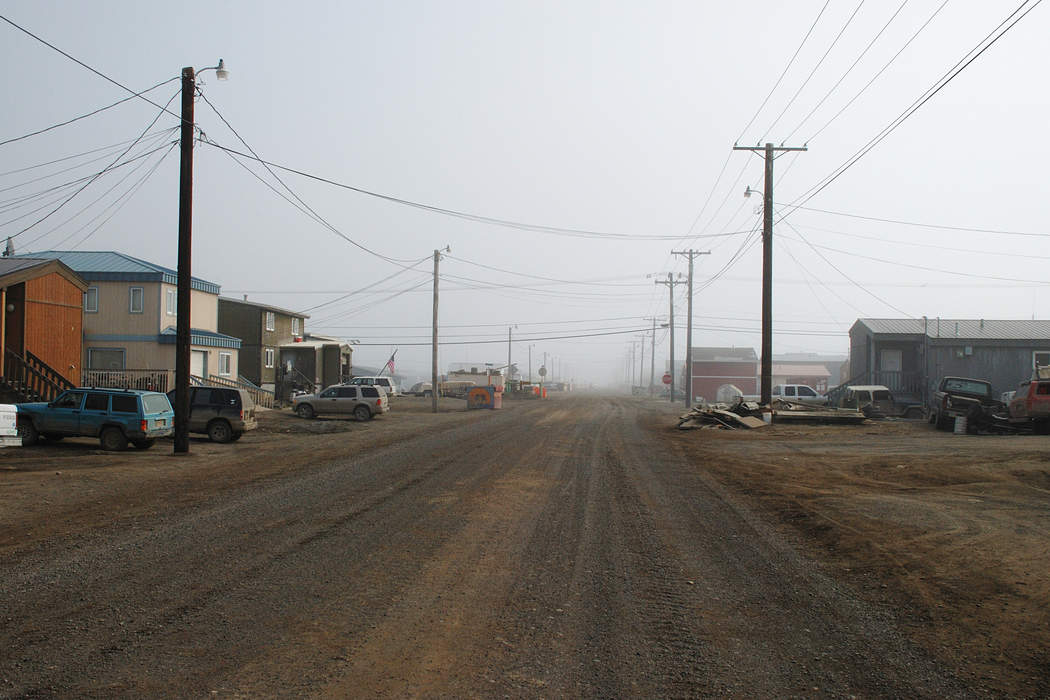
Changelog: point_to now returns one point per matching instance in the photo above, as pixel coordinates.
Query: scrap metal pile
(746, 415)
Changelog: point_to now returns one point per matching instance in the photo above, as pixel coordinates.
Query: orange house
(41, 324)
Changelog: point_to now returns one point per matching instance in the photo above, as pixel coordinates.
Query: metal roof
(964, 329)
(724, 355)
(9, 265)
(109, 266)
(266, 307)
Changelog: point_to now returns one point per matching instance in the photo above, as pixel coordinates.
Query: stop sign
(667, 379)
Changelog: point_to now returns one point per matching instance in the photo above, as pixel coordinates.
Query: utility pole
(652, 359)
(434, 385)
(506, 384)
(691, 254)
(671, 282)
(185, 255)
(641, 359)
(769, 152)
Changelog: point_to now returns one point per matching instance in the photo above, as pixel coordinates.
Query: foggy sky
(611, 117)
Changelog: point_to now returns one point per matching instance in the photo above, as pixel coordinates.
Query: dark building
(263, 329)
(911, 355)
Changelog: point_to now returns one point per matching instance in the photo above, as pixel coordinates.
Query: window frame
(225, 358)
(1037, 353)
(270, 320)
(295, 326)
(131, 300)
(269, 357)
(123, 359)
(171, 302)
(87, 296)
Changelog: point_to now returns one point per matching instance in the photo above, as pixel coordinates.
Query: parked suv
(388, 384)
(362, 402)
(799, 393)
(222, 413)
(115, 416)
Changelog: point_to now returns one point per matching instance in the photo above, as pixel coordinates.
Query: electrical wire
(93, 70)
(111, 147)
(931, 246)
(96, 176)
(941, 83)
(848, 70)
(813, 72)
(942, 227)
(358, 291)
(880, 72)
(85, 116)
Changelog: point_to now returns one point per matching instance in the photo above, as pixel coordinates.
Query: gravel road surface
(558, 548)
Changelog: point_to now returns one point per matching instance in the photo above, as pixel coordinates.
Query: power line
(111, 147)
(93, 70)
(814, 71)
(952, 73)
(880, 72)
(848, 71)
(89, 114)
(502, 341)
(921, 225)
(479, 218)
(97, 175)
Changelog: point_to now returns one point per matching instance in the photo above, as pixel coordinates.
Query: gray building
(910, 355)
(263, 330)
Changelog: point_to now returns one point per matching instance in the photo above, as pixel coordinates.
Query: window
(268, 354)
(346, 392)
(70, 399)
(269, 321)
(328, 394)
(91, 300)
(789, 391)
(125, 404)
(135, 300)
(96, 402)
(225, 364)
(295, 326)
(806, 391)
(171, 303)
(155, 403)
(105, 358)
(1040, 359)
(370, 392)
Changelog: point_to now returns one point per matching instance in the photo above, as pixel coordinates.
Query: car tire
(112, 439)
(143, 444)
(28, 432)
(362, 412)
(304, 410)
(220, 431)
(913, 413)
(943, 423)
(236, 436)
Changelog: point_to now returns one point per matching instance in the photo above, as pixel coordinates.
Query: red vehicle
(1031, 404)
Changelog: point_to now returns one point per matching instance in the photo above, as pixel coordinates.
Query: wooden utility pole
(691, 254)
(769, 152)
(435, 387)
(652, 359)
(671, 282)
(185, 254)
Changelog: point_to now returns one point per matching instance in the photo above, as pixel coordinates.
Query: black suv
(222, 413)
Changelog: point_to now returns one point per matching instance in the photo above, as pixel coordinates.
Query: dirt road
(564, 548)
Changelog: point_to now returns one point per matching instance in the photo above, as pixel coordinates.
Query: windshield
(967, 386)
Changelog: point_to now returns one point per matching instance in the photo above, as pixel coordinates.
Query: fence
(162, 380)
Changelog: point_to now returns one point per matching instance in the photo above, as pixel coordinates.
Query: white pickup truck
(799, 393)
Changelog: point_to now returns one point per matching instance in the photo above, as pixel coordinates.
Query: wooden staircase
(29, 378)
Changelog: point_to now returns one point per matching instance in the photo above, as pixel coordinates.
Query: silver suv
(361, 402)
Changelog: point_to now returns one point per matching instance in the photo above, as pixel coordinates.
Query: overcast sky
(606, 117)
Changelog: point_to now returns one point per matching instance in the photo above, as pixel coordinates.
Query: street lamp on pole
(185, 254)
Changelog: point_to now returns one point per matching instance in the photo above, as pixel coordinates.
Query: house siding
(708, 376)
(247, 321)
(54, 323)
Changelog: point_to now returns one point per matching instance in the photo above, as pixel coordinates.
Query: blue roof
(199, 336)
(110, 266)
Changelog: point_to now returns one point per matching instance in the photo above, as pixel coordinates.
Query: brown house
(263, 330)
(714, 367)
(41, 325)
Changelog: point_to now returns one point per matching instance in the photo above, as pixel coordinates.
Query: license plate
(162, 421)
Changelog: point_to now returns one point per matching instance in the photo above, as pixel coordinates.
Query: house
(263, 329)
(911, 355)
(713, 367)
(313, 361)
(41, 326)
(836, 365)
(812, 375)
(129, 314)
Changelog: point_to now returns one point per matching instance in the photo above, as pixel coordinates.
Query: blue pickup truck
(115, 416)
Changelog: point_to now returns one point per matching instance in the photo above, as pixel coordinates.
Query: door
(328, 401)
(64, 414)
(95, 412)
(890, 361)
(199, 363)
(347, 400)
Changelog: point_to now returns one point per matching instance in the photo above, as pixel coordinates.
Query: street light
(184, 280)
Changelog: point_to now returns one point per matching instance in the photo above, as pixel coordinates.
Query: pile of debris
(793, 411)
(748, 415)
(721, 416)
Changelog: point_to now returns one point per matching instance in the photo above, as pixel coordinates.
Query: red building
(713, 367)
